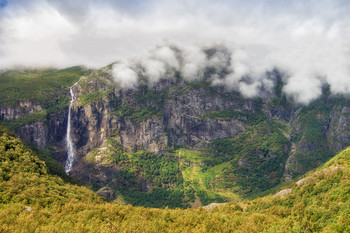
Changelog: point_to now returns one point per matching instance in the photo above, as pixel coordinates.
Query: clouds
(124, 74)
(309, 41)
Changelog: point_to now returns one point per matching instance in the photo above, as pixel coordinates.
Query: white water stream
(69, 141)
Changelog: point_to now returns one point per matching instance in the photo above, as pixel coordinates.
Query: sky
(307, 40)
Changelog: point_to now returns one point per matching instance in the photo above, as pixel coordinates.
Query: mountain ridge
(119, 133)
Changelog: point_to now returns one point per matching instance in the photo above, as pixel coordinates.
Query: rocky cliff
(161, 117)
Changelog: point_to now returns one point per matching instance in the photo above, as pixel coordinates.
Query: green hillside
(32, 200)
(48, 88)
(44, 86)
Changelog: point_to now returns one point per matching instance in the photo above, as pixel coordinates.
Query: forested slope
(31, 200)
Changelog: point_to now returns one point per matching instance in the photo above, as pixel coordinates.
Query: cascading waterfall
(69, 141)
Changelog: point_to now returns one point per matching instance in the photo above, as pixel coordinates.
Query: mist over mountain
(307, 41)
(174, 116)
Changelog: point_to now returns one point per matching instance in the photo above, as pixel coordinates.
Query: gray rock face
(333, 135)
(182, 121)
(34, 133)
(14, 112)
(149, 135)
(40, 134)
(339, 129)
(181, 118)
(185, 122)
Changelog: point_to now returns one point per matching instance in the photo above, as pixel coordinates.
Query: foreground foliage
(31, 200)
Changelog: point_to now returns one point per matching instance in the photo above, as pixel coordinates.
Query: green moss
(27, 119)
(313, 120)
(256, 167)
(250, 118)
(188, 155)
(144, 107)
(227, 114)
(40, 116)
(46, 87)
(93, 97)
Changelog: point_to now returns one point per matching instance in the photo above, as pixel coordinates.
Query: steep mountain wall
(269, 137)
(34, 125)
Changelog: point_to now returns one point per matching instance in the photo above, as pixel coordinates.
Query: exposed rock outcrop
(36, 133)
(21, 109)
(339, 129)
(213, 205)
(283, 193)
(107, 193)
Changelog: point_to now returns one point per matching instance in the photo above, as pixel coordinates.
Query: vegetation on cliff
(209, 144)
(48, 88)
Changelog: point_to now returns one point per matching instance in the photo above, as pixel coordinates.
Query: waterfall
(69, 141)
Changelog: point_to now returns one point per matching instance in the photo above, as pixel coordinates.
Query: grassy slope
(200, 181)
(41, 86)
(322, 204)
(176, 179)
(47, 87)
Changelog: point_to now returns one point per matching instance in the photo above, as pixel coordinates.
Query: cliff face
(23, 108)
(34, 125)
(339, 128)
(175, 114)
(181, 114)
(36, 134)
(158, 117)
(318, 130)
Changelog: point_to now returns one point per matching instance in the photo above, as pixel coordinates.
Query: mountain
(33, 200)
(172, 142)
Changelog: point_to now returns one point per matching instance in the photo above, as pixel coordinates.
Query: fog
(308, 41)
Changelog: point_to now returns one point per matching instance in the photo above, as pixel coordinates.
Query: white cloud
(124, 74)
(305, 39)
(166, 55)
(194, 61)
(155, 69)
(32, 38)
(303, 88)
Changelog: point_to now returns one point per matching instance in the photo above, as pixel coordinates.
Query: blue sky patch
(3, 3)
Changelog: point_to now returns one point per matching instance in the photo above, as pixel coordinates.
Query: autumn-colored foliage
(31, 200)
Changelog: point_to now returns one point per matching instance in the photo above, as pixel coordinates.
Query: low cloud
(125, 75)
(308, 41)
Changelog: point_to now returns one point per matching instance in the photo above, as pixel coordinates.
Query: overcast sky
(308, 40)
